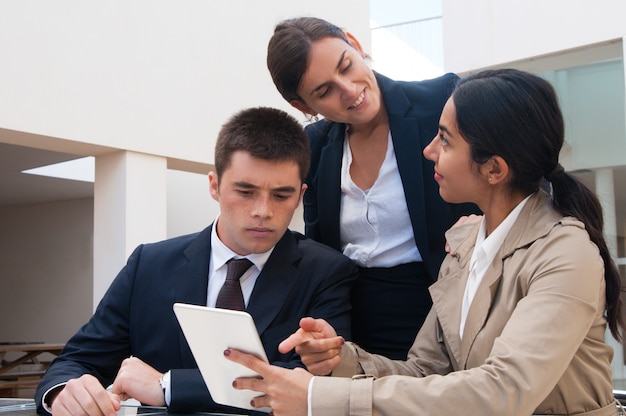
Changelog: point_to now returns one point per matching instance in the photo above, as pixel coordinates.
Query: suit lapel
(408, 150)
(329, 203)
(192, 281)
(193, 275)
(277, 279)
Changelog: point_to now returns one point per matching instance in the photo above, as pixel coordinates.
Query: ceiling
(17, 188)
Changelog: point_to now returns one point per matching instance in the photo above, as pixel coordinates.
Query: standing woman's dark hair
(523, 113)
(288, 51)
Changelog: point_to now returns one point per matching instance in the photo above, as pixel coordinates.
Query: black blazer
(135, 316)
(414, 109)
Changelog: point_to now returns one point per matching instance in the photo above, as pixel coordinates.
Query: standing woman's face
(339, 84)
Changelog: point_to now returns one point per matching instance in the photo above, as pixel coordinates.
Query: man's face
(257, 200)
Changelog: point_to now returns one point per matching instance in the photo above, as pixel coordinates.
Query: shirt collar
(220, 253)
(490, 245)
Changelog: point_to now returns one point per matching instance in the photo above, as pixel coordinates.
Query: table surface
(26, 407)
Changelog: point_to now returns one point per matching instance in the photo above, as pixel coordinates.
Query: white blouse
(375, 226)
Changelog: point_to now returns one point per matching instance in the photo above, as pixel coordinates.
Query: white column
(130, 208)
(606, 194)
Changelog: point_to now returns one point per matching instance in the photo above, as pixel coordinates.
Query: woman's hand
(317, 344)
(467, 219)
(285, 391)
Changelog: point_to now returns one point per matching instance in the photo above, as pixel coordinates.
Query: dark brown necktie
(230, 296)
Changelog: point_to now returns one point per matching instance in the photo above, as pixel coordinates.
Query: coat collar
(535, 221)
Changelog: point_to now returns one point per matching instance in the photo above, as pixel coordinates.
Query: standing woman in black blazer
(371, 194)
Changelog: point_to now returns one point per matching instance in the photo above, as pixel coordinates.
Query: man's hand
(139, 381)
(84, 396)
(317, 344)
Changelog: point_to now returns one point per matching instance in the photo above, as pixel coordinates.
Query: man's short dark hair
(266, 133)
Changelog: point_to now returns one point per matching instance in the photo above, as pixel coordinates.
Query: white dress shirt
(220, 254)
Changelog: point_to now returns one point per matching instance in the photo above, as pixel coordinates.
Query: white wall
(155, 77)
(482, 33)
(46, 267)
(151, 76)
(45, 270)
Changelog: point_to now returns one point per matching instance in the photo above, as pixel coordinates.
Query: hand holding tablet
(210, 331)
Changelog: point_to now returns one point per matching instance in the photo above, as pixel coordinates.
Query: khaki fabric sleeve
(341, 396)
(349, 364)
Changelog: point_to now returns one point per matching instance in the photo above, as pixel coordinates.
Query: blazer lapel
(329, 201)
(408, 155)
(277, 279)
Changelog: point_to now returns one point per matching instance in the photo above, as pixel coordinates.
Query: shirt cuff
(44, 398)
(309, 409)
(166, 383)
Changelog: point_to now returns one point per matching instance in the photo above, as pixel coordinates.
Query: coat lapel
(444, 294)
(448, 290)
(521, 234)
(481, 305)
(276, 281)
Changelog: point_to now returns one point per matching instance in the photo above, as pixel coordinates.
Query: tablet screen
(210, 331)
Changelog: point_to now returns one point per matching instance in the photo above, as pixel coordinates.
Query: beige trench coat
(533, 340)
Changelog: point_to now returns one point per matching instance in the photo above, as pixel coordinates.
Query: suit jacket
(533, 339)
(414, 109)
(135, 316)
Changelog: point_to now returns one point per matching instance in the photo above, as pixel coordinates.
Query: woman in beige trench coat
(519, 312)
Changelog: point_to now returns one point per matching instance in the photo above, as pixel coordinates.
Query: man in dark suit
(133, 341)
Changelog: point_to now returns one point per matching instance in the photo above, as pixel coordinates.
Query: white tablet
(210, 331)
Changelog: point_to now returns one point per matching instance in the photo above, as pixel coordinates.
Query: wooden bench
(22, 387)
(14, 375)
(23, 368)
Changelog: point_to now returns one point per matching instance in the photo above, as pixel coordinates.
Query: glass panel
(593, 104)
